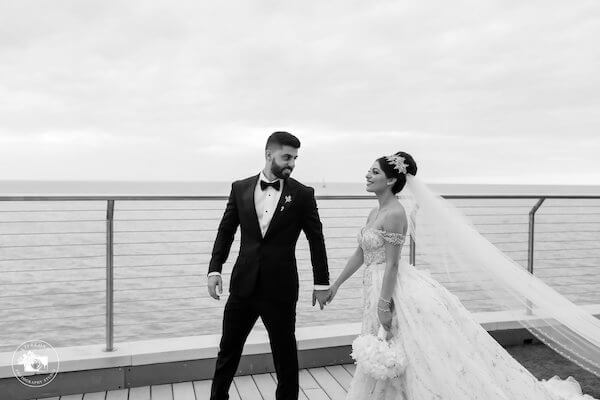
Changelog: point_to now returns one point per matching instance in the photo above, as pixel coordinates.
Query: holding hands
(324, 297)
(321, 296)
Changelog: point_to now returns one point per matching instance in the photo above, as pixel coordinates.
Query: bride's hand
(384, 313)
(332, 292)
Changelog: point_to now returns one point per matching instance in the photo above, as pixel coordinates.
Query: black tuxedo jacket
(267, 266)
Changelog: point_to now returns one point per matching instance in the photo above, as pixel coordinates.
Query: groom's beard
(281, 172)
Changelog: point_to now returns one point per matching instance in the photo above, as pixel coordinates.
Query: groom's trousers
(279, 318)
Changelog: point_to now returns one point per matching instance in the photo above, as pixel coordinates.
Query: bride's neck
(385, 198)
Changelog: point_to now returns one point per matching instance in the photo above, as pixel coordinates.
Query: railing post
(532, 234)
(531, 242)
(109, 275)
(413, 230)
(413, 251)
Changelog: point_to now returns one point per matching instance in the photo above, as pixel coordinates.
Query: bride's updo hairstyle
(391, 170)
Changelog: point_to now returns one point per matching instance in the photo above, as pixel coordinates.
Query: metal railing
(109, 244)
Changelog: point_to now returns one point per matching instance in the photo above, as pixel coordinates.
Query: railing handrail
(318, 197)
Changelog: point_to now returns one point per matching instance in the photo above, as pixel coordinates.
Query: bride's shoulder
(395, 221)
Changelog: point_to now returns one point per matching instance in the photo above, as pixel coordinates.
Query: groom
(271, 209)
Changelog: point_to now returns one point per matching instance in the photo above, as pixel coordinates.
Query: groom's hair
(280, 138)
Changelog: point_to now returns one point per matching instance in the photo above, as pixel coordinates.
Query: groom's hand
(321, 296)
(215, 284)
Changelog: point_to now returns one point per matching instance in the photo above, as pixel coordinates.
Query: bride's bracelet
(384, 309)
(388, 302)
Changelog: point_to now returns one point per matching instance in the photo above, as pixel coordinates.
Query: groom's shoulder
(300, 186)
(245, 181)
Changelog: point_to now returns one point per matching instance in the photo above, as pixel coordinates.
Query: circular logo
(35, 363)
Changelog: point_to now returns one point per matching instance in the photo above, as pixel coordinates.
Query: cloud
(196, 84)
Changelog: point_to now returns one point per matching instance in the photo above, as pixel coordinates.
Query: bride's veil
(450, 247)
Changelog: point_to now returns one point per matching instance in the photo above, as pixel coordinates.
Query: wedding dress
(449, 355)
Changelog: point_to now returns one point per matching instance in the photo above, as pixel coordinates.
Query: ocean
(74, 187)
(53, 264)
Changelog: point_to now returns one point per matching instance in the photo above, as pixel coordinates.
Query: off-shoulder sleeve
(396, 239)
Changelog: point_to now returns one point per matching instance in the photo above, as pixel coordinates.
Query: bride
(449, 355)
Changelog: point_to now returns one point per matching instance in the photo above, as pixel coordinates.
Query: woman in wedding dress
(449, 355)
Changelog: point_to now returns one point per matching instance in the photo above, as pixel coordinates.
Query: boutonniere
(288, 199)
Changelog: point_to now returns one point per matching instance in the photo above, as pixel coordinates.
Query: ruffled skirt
(450, 356)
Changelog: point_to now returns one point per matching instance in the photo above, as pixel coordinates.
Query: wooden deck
(315, 384)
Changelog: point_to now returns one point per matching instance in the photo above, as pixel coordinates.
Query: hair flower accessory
(398, 163)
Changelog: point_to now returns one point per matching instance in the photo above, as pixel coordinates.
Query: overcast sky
(492, 91)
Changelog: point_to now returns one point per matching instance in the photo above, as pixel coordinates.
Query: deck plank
(301, 395)
(247, 388)
(202, 389)
(324, 383)
(328, 383)
(266, 385)
(351, 368)
(310, 387)
(316, 394)
(340, 374)
(139, 393)
(233, 392)
(183, 391)
(161, 392)
(94, 396)
(120, 394)
(307, 381)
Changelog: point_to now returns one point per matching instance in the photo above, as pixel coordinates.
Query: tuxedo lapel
(251, 205)
(287, 196)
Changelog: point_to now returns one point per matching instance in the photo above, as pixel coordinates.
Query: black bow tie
(275, 185)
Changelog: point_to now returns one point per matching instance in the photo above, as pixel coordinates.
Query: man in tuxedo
(271, 209)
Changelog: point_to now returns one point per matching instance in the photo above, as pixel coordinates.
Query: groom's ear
(268, 153)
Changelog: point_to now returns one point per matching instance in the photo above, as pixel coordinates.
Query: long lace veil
(451, 247)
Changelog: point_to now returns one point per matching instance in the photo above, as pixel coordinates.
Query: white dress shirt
(266, 202)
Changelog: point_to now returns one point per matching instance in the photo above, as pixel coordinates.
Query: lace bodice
(372, 241)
